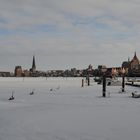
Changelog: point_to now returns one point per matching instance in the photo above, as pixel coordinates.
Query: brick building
(132, 67)
(18, 71)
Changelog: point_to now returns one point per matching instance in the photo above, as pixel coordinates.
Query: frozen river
(61, 110)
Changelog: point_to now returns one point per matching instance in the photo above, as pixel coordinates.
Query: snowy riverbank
(61, 110)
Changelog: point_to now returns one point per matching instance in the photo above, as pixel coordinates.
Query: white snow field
(60, 109)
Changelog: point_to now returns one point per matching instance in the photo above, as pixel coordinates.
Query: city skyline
(65, 34)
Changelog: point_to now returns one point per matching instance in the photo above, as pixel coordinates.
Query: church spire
(128, 59)
(135, 59)
(135, 55)
(33, 65)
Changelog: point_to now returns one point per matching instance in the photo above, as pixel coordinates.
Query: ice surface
(60, 109)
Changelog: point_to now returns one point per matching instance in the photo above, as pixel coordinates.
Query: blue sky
(65, 34)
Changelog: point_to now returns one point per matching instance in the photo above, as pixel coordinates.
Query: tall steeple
(135, 57)
(128, 59)
(33, 65)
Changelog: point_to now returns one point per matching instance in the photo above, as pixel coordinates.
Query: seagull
(12, 97)
(31, 93)
(51, 89)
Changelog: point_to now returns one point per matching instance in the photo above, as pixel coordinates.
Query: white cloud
(73, 33)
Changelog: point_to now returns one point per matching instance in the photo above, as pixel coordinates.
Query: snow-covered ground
(61, 110)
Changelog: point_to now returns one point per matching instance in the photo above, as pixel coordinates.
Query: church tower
(33, 65)
(134, 62)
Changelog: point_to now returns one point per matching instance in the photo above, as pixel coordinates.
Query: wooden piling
(82, 83)
(88, 81)
(104, 86)
(123, 83)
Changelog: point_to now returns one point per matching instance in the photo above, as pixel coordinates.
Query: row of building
(129, 68)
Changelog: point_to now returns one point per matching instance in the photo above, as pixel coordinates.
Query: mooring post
(123, 83)
(82, 83)
(104, 85)
(88, 80)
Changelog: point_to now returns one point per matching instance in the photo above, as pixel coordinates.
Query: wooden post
(82, 83)
(123, 83)
(88, 81)
(104, 85)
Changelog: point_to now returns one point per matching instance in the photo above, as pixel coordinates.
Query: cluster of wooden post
(104, 85)
(88, 81)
